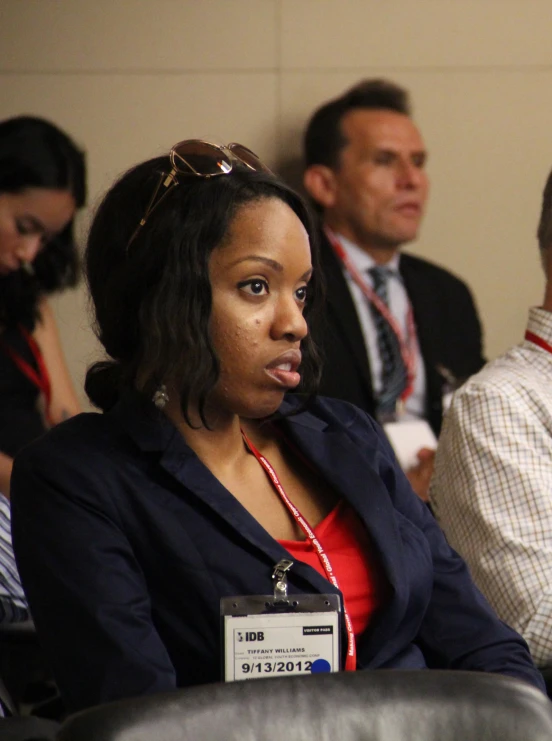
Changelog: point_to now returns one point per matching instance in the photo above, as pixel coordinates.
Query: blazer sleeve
(78, 569)
(459, 630)
(464, 328)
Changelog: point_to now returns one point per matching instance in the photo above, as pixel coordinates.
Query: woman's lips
(284, 369)
(287, 378)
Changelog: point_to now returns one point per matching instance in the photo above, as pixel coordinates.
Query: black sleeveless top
(20, 419)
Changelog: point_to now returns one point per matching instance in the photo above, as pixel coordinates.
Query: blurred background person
(42, 184)
(399, 330)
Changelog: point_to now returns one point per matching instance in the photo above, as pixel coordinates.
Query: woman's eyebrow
(259, 258)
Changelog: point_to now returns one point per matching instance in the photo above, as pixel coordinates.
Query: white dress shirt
(492, 486)
(398, 305)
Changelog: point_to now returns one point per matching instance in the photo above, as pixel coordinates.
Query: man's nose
(410, 175)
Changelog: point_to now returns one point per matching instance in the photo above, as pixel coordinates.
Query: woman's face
(259, 278)
(28, 221)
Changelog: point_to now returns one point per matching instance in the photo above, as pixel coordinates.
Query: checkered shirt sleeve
(492, 489)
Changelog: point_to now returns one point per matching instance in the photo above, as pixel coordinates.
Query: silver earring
(160, 397)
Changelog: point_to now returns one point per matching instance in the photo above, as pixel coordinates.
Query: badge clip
(279, 577)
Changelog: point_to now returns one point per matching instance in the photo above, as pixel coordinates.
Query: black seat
(365, 706)
(15, 728)
(25, 671)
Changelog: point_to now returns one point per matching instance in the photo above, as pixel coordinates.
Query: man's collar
(540, 323)
(362, 260)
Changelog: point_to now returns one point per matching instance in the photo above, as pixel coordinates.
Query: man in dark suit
(399, 331)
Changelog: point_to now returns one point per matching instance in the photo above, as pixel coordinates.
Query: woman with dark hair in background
(42, 184)
(202, 480)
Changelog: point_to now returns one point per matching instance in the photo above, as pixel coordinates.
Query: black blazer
(126, 543)
(449, 332)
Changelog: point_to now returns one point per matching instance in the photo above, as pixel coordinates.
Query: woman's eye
(254, 287)
(302, 294)
(23, 229)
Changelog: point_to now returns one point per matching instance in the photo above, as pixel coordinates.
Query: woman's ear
(319, 182)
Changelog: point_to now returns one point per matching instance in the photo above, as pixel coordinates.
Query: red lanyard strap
(350, 663)
(536, 340)
(407, 345)
(39, 378)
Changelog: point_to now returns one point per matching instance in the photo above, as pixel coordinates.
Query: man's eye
(419, 160)
(384, 158)
(254, 287)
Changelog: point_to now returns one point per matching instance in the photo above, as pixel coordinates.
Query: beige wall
(128, 78)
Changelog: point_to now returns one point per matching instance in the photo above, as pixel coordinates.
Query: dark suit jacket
(126, 543)
(449, 332)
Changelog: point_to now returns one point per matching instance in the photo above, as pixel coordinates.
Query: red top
(348, 546)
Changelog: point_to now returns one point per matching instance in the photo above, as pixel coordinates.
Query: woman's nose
(29, 247)
(289, 321)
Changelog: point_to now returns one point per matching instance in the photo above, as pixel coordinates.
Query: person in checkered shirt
(492, 486)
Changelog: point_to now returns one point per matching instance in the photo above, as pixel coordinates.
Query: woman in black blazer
(131, 526)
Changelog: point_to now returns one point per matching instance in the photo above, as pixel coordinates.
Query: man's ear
(319, 182)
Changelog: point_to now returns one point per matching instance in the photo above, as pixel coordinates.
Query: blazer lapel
(342, 309)
(421, 301)
(353, 473)
(425, 315)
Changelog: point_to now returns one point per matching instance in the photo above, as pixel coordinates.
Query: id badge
(262, 639)
(276, 635)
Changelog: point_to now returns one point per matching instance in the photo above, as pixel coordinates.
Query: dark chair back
(27, 729)
(365, 706)
(13, 727)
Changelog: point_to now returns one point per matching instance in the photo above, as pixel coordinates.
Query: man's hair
(324, 138)
(544, 231)
(36, 154)
(152, 297)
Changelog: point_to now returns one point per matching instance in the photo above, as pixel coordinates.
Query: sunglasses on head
(198, 158)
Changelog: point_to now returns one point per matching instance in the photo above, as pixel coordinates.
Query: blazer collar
(353, 471)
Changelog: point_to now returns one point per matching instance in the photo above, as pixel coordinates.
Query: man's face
(380, 184)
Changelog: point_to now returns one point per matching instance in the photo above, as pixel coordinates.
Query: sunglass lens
(248, 157)
(200, 158)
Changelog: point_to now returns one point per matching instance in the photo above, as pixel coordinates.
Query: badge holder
(280, 635)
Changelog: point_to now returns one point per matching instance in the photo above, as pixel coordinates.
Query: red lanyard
(39, 378)
(407, 345)
(536, 340)
(350, 663)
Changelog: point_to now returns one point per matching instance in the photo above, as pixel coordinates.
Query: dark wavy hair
(152, 298)
(36, 154)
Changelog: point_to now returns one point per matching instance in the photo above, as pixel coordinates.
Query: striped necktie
(393, 369)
